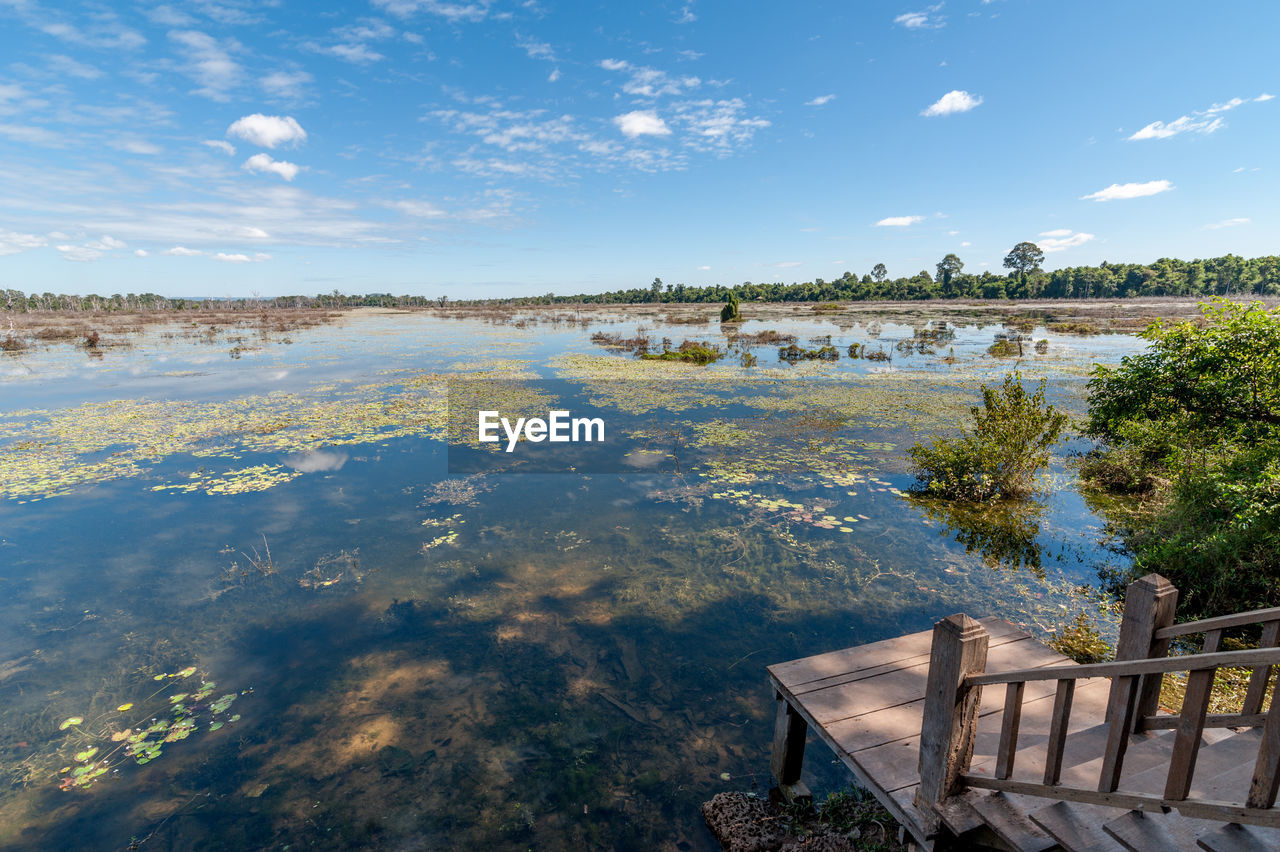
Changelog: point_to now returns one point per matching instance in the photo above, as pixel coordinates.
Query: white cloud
(181, 251)
(554, 75)
(140, 252)
(965, 244)
(67, 66)
(133, 145)
(899, 221)
(79, 254)
(1228, 223)
(704, 268)
(209, 63)
(1202, 121)
(12, 242)
(647, 82)
(1120, 191)
(686, 16)
(232, 258)
(107, 243)
(268, 131)
(285, 84)
(264, 163)
(33, 135)
(454, 12)
(820, 100)
(929, 19)
(1061, 239)
(718, 125)
(642, 123)
(953, 102)
(221, 145)
(417, 209)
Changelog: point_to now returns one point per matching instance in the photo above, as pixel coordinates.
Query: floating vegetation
(794, 353)
(257, 478)
(457, 492)
(447, 538)
(163, 720)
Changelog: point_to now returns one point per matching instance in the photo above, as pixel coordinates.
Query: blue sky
(481, 148)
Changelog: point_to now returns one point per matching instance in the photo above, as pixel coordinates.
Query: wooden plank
(898, 688)
(1221, 622)
(1190, 731)
(894, 763)
(950, 711)
(1058, 730)
(1011, 824)
(1078, 827)
(1261, 675)
(1167, 721)
(1147, 832)
(1190, 663)
(795, 673)
(1234, 837)
(1225, 765)
(1009, 720)
(1120, 711)
(1131, 801)
(1266, 770)
(919, 660)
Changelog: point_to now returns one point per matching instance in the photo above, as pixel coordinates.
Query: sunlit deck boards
(867, 704)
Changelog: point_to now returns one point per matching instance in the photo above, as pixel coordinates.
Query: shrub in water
(1000, 455)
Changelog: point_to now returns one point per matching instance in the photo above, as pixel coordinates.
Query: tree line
(1218, 276)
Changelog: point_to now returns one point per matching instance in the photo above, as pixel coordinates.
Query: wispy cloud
(469, 12)
(12, 242)
(898, 221)
(952, 102)
(285, 84)
(646, 82)
(929, 19)
(820, 100)
(209, 63)
(1202, 121)
(1121, 191)
(1228, 223)
(221, 145)
(1061, 239)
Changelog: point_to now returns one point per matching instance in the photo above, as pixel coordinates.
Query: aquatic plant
(1000, 455)
(731, 312)
(690, 352)
(795, 353)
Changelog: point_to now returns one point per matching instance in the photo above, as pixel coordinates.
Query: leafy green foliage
(1000, 455)
(1195, 424)
(731, 312)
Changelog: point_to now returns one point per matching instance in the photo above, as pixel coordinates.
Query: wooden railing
(953, 698)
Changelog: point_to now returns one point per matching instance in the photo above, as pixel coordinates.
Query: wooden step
(1145, 832)
(1011, 824)
(1078, 827)
(1240, 838)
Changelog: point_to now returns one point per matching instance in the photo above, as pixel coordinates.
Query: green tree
(655, 290)
(949, 267)
(879, 273)
(1194, 424)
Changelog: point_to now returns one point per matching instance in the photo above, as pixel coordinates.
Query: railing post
(1149, 605)
(950, 712)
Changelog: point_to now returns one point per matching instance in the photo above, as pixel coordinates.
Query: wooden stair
(974, 735)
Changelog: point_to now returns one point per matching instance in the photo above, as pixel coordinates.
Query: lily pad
(67, 723)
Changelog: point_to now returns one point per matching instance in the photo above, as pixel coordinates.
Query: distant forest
(1218, 276)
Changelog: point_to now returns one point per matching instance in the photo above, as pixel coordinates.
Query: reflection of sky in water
(513, 660)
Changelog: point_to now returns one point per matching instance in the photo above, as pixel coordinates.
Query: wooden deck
(868, 704)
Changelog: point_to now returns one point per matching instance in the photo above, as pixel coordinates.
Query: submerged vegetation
(1193, 427)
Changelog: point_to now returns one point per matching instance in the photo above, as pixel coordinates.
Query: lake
(259, 591)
